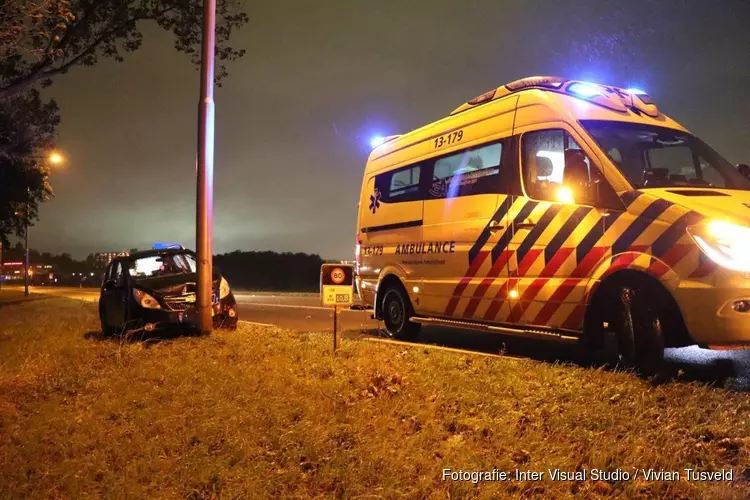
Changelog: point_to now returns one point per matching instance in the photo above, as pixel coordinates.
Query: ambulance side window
(468, 172)
(544, 156)
(404, 182)
(400, 185)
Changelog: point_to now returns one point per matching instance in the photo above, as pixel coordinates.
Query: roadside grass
(263, 412)
(12, 296)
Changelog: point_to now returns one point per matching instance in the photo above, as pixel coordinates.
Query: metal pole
(335, 329)
(26, 260)
(205, 171)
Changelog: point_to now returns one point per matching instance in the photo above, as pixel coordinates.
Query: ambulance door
(554, 247)
(465, 222)
(391, 219)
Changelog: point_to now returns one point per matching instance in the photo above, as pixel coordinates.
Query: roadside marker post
(336, 289)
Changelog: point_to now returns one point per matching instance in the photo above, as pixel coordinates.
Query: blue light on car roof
(166, 246)
(635, 91)
(584, 90)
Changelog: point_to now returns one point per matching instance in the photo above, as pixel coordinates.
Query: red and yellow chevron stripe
(553, 268)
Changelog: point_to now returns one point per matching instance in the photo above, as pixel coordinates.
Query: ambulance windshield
(654, 157)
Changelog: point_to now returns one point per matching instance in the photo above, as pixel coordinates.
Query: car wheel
(638, 331)
(396, 311)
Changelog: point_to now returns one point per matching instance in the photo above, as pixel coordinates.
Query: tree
(27, 126)
(40, 39)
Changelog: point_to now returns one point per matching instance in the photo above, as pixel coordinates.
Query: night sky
(320, 78)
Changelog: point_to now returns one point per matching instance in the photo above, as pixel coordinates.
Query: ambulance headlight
(223, 288)
(725, 243)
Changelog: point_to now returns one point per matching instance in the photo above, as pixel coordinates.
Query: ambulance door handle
(495, 225)
(525, 225)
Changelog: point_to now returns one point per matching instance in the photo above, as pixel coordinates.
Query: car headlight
(223, 288)
(145, 300)
(725, 243)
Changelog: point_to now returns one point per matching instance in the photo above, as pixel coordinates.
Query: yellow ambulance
(563, 210)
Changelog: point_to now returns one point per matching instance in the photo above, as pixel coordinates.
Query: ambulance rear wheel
(638, 330)
(396, 310)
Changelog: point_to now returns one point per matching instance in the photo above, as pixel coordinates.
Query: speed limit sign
(337, 284)
(337, 275)
(336, 289)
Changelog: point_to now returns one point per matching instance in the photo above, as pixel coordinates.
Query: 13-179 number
(449, 138)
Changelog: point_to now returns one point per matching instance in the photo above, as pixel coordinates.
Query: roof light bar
(585, 90)
(554, 82)
(167, 246)
(487, 96)
(376, 141)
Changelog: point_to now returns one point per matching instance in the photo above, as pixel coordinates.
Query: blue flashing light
(376, 141)
(585, 90)
(166, 246)
(635, 91)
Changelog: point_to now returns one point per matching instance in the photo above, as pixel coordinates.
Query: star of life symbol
(375, 200)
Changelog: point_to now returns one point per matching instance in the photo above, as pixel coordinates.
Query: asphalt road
(304, 313)
(301, 312)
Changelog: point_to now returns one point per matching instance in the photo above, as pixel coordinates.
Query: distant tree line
(62, 263)
(271, 270)
(250, 270)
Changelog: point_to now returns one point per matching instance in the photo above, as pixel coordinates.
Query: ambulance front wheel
(396, 310)
(638, 331)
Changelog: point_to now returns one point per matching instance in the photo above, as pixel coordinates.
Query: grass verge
(263, 412)
(14, 296)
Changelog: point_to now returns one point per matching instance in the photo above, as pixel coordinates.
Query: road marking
(260, 304)
(254, 323)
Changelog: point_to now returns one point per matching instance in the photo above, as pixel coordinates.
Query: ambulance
(563, 210)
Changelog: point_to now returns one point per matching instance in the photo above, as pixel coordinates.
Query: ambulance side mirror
(577, 178)
(744, 170)
(593, 194)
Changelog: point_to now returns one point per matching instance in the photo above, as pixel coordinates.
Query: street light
(54, 158)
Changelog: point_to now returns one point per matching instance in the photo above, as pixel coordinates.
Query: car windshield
(662, 157)
(162, 265)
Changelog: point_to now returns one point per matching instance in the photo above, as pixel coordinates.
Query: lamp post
(205, 172)
(26, 247)
(53, 158)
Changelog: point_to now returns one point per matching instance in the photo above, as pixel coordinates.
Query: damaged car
(156, 290)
